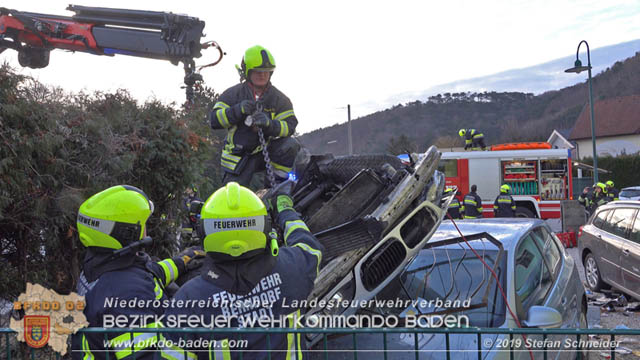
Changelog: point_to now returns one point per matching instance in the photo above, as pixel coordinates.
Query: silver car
(630, 193)
(609, 246)
(539, 278)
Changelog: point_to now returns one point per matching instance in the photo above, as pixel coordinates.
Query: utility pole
(350, 141)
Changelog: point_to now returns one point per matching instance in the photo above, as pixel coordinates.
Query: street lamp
(578, 68)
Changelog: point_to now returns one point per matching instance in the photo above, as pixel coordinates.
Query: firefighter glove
(188, 254)
(245, 107)
(261, 120)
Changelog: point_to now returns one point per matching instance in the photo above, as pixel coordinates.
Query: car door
(608, 247)
(533, 283)
(562, 296)
(630, 258)
(617, 228)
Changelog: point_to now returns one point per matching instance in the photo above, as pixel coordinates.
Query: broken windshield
(451, 279)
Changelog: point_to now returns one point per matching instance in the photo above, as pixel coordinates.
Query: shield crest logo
(36, 330)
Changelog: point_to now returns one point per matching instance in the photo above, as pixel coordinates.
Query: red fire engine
(539, 178)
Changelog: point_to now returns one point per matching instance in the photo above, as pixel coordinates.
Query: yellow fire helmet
(235, 223)
(114, 217)
(505, 189)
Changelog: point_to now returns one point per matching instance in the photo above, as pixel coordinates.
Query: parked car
(630, 193)
(540, 279)
(610, 247)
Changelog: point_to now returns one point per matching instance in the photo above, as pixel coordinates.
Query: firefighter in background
(247, 277)
(504, 206)
(586, 198)
(473, 139)
(612, 192)
(454, 207)
(600, 196)
(270, 110)
(109, 222)
(472, 205)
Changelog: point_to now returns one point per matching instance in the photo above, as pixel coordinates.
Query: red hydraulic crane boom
(106, 31)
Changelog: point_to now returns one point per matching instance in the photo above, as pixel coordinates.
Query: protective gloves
(245, 107)
(188, 254)
(261, 120)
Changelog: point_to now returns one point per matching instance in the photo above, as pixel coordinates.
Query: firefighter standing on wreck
(270, 110)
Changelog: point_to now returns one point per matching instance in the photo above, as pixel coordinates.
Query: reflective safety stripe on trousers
(294, 351)
(221, 350)
(123, 344)
(175, 353)
(86, 350)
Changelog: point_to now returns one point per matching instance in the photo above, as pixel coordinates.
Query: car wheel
(523, 212)
(592, 273)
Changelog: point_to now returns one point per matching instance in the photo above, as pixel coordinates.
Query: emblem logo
(36, 330)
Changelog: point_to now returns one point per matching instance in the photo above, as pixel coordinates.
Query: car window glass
(608, 225)
(630, 193)
(600, 219)
(635, 231)
(550, 251)
(620, 221)
(532, 278)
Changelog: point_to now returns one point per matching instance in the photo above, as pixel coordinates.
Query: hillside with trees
(501, 116)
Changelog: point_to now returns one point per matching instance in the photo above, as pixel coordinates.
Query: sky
(364, 53)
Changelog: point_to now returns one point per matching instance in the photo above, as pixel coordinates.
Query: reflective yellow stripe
(231, 157)
(170, 270)
(471, 202)
(228, 165)
(291, 343)
(221, 105)
(495, 206)
(157, 289)
(222, 352)
(470, 217)
(281, 167)
(283, 115)
(221, 115)
(175, 353)
(85, 348)
(504, 200)
(311, 251)
(289, 226)
(140, 341)
(284, 128)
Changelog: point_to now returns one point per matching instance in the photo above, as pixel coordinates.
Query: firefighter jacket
(585, 200)
(454, 209)
(244, 293)
(613, 194)
(132, 278)
(471, 206)
(504, 206)
(473, 139)
(241, 140)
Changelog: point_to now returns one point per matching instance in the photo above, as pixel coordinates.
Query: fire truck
(540, 179)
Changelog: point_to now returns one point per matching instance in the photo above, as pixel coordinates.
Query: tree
(401, 145)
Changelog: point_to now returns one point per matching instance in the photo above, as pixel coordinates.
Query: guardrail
(513, 334)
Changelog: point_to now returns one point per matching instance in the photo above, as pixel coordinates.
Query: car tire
(523, 212)
(343, 168)
(592, 273)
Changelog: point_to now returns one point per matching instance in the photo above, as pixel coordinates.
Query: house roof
(613, 117)
(558, 140)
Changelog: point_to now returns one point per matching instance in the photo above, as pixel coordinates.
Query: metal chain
(265, 154)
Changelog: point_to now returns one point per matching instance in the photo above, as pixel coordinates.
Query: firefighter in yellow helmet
(111, 224)
(612, 192)
(504, 205)
(269, 109)
(473, 139)
(244, 263)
